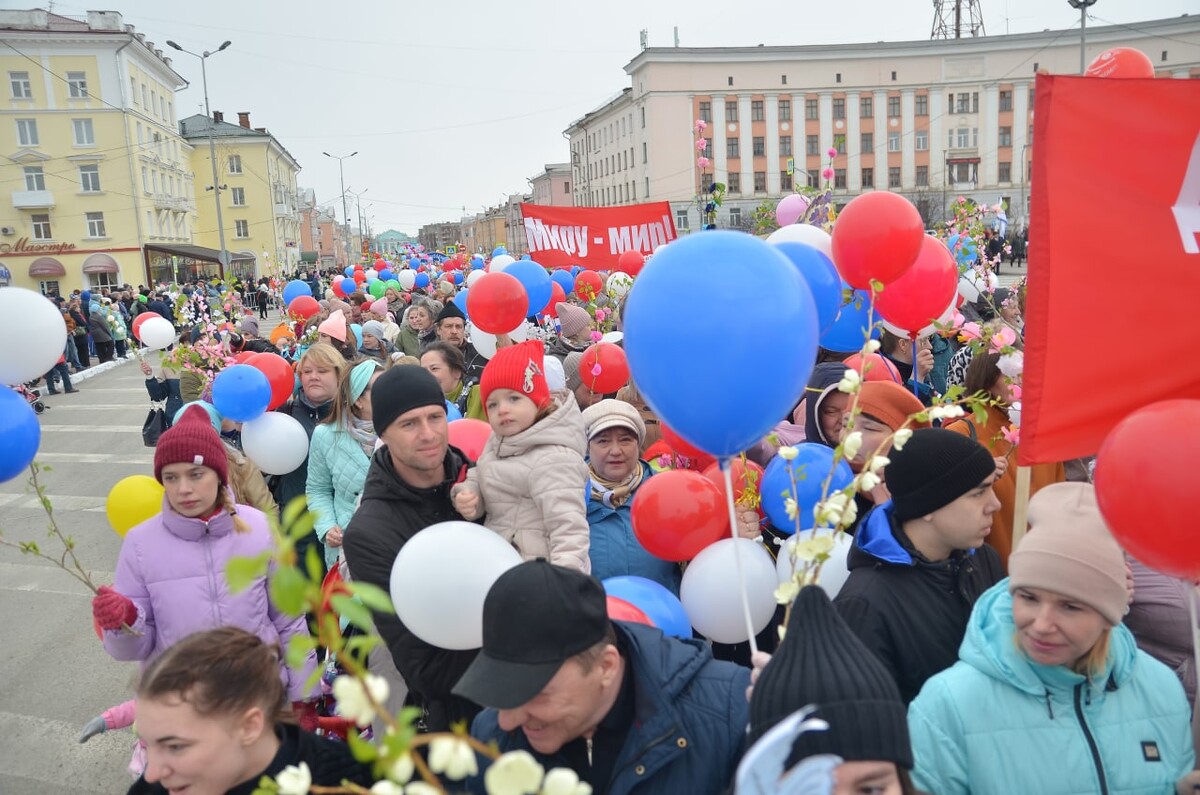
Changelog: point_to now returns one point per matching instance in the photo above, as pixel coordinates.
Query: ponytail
(239, 524)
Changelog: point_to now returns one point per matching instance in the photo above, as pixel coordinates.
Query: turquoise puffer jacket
(614, 550)
(996, 722)
(337, 471)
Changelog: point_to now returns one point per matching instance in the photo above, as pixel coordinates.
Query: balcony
(284, 211)
(33, 199)
(179, 204)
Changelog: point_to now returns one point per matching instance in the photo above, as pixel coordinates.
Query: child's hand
(146, 371)
(466, 502)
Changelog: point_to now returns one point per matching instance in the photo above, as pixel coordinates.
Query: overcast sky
(456, 103)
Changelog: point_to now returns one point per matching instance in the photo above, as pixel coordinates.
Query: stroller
(32, 396)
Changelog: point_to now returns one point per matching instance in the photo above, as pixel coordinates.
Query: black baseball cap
(535, 618)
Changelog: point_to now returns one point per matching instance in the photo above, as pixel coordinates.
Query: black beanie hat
(402, 389)
(450, 310)
(822, 662)
(934, 469)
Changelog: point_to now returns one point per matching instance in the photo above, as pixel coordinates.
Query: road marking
(96, 458)
(29, 577)
(92, 428)
(61, 502)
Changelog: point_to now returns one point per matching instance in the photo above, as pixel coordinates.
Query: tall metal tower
(955, 19)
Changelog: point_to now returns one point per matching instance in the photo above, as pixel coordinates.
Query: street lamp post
(212, 147)
(1083, 6)
(345, 208)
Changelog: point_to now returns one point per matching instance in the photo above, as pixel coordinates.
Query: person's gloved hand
(96, 725)
(306, 714)
(111, 609)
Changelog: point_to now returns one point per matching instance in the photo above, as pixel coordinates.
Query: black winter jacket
(912, 613)
(390, 514)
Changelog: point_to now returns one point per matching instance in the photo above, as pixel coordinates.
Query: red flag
(1114, 258)
(595, 237)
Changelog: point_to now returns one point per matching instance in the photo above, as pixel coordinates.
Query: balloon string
(1192, 594)
(912, 336)
(737, 555)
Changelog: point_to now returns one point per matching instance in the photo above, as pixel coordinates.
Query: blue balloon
(241, 393)
(460, 301)
(349, 271)
(821, 277)
(452, 412)
(660, 605)
(20, 434)
(535, 280)
(759, 383)
(526, 256)
(563, 279)
(386, 274)
(847, 333)
(476, 261)
(458, 277)
(208, 408)
(295, 289)
(575, 271)
(498, 251)
(811, 466)
(422, 280)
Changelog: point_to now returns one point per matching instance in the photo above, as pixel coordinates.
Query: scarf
(363, 432)
(615, 494)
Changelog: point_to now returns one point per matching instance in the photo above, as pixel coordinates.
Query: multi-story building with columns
(932, 120)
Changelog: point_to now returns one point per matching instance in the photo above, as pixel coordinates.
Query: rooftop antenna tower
(956, 19)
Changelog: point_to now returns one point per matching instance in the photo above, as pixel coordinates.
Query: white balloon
(501, 262)
(276, 442)
(441, 577)
(485, 343)
(407, 279)
(157, 333)
(473, 277)
(372, 273)
(945, 317)
(613, 336)
(619, 284)
(968, 286)
(33, 335)
(804, 233)
(833, 572)
(712, 598)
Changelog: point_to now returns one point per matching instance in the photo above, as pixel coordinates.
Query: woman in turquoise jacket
(339, 456)
(1051, 694)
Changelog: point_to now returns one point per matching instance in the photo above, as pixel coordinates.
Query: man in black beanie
(919, 562)
(408, 489)
(452, 328)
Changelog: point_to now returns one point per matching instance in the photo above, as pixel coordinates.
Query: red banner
(1114, 260)
(595, 237)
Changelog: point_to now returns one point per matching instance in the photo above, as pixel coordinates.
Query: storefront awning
(100, 263)
(47, 266)
(198, 252)
(309, 256)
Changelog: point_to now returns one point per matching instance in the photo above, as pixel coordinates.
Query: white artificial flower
(514, 773)
(352, 701)
(563, 781)
(829, 512)
(786, 592)
(790, 506)
(452, 757)
(421, 788)
(946, 412)
(788, 453)
(849, 513)
(386, 787)
(877, 463)
(868, 481)
(900, 438)
(294, 780)
(872, 346)
(402, 769)
(850, 383)
(852, 444)
(1011, 364)
(1014, 413)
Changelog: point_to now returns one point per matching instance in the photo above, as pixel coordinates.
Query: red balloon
(1121, 62)
(359, 277)
(620, 610)
(922, 294)
(1143, 469)
(630, 262)
(380, 264)
(604, 368)
(877, 369)
(557, 296)
(136, 329)
(877, 236)
(681, 447)
(678, 513)
(497, 303)
(303, 307)
(243, 357)
(470, 436)
(747, 478)
(588, 285)
(278, 372)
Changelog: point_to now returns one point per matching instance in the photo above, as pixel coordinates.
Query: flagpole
(1021, 509)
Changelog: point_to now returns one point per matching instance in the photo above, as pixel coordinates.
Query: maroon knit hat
(192, 440)
(519, 368)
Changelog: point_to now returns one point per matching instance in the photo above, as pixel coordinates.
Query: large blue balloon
(821, 277)
(535, 280)
(811, 466)
(295, 289)
(20, 434)
(241, 393)
(386, 274)
(563, 279)
(498, 251)
(659, 604)
(738, 386)
(848, 331)
(349, 271)
(452, 412)
(460, 300)
(422, 280)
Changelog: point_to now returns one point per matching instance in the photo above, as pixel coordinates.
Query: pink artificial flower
(832, 153)
(1014, 392)
(827, 173)
(701, 144)
(970, 331)
(703, 162)
(1012, 434)
(597, 369)
(597, 336)
(600, 315)
(1003, 338)
(701, 125)
(962, 199)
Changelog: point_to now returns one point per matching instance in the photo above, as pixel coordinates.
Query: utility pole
(345, 208)
(1083, 6)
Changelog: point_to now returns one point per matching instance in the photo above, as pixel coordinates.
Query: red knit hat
(519, 368)
(192, 440)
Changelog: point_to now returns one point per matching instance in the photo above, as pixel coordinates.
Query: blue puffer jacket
(999, 723)
(337, 470)
(615, 551)
(691, 719)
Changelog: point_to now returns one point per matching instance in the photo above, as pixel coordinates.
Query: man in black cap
(919, 562)
(408, 489)
(620, 704)
(452, 328)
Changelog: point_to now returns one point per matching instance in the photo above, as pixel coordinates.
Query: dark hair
(982, 373)
(221, 671)
(888, 342)
(451, 354)
(589, 658)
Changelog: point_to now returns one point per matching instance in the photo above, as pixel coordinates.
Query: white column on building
(853, 144)
(989, 135)
(937, 140)
(771, 114)
(720, 161)
(825, 134)
(1022, 149)
(908, 139)
(881, 131)
(746, 146)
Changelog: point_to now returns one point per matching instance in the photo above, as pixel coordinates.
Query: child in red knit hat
(531, 478)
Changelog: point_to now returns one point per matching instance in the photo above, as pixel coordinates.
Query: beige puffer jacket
(532, 487)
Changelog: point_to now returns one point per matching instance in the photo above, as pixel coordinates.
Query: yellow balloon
(132, 501)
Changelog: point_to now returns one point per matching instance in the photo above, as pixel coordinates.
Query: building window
(964, 103)
(632, 191)
(922, 140)
(1006, 136)
(235, 164)
(735, 183)
(812, 145)
(1005, 101)
(867, 143)
(146, 97)
(785, 146)
(893, 77)
(731, 148)
(756, 110)
(705, 111)
(706, 181)
(731, 113)
(681, 219)
(95, 225)
(922, 105)
(89, 179)
(21, 87)
(922, 176)
(84, 135)
(759, 143)
(866, 107)
(839, 109)
(868, 177)
(785, 110)
(239, 196)
(145, 180)
(567, 188)
(893, 107)
(708, 144)
(133, 92)
(893, 142)
(760, 182)
(974, 137)
(783, 78)
(1005, 172)
(730, 79)
(735, 217)
(894, 177)
(837, 78)
(813, 178)
(27, 134)
(810, 109)
(785, 181)
(975, 102)
(241, 229)
(41, 226)
(964, 137)
(839, 178)
(35, 179)
(839, 144)
(77, 85)
(643, 112)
